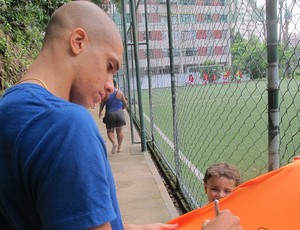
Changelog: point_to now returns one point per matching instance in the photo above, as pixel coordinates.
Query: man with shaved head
(54, 170)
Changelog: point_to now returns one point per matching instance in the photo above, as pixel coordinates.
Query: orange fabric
(270, 201)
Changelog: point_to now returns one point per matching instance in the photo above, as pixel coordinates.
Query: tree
(22, 23)
(248, 56)
(22, 26)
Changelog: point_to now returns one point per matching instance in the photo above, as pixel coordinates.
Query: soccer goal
(207, 73)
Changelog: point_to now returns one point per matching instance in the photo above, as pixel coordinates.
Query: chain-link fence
(211, 81)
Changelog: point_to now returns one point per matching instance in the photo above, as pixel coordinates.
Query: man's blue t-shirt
(54, 171)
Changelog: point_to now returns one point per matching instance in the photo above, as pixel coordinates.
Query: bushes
(22, 24)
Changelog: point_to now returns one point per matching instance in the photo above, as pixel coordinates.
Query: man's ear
(78, 39)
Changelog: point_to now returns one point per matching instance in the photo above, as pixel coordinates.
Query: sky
(295, 17)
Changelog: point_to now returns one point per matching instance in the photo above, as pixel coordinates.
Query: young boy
(220, 180)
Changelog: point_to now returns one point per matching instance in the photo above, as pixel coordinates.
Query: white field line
(182, 157)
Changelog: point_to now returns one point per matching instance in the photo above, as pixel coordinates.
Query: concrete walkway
(142, 195)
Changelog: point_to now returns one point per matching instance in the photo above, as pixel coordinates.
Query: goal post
(211, 73)
(209, 69)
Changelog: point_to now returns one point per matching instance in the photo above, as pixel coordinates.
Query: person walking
(114, 117)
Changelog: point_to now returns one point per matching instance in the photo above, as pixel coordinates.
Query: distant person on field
(205, 79)
(226, 76)
(238, 76)
(214, 78)
(114, 117)
(191, 80)
(220, 180)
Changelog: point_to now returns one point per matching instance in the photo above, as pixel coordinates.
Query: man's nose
(109, 86)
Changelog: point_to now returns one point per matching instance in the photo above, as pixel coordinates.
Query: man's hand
(223, 221)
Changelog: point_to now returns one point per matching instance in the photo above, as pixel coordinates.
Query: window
(223, 18)
(187, 2)
(163, 19)
(187, 18)
(164, 35)
(144, 35)
(176, 52)
(207, 2)
(210, 51)
(174, 19)
(176, 35)
(128, 17)
(207, 18)
(209, 34)
(222, 2)
(166, 52)
(188, 35)
(189, 52)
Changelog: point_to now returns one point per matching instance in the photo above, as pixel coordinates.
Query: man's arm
(105, 226)
(153, 226)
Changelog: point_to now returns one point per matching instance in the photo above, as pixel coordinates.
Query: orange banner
(270, 201)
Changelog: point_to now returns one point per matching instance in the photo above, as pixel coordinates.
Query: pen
(217, 209)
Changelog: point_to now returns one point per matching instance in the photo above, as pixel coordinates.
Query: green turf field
(220, 123)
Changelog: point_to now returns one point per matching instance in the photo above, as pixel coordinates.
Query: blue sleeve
(66, 170)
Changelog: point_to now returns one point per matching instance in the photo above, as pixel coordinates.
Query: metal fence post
(273, 84)
(127, 67)
(173, 88)
(137, 69)
(148, 72)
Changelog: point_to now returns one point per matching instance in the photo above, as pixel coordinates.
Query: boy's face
(218, 187)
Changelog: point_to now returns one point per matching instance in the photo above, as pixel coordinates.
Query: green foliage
(289, 65)
(118, 4)
(249, 57)
(22, 23)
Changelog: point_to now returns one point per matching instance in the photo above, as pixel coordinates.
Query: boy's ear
(205, 187)
(78, 39)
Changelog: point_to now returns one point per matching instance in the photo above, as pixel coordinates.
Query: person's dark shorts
(115, 119)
